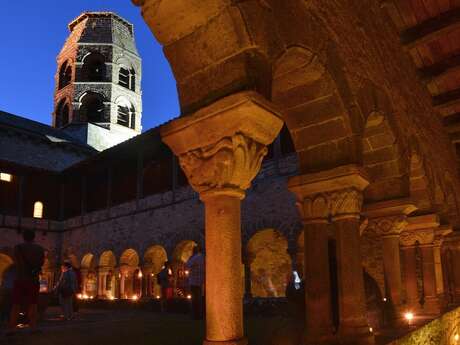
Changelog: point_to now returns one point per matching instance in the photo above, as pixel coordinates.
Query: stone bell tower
(97, 97)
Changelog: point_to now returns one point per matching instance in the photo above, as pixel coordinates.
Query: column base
(356, 336)
(431, 306)
(242, 341)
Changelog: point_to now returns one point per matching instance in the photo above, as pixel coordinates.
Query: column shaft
(317, 282)
(431, 301)
(352, 302)
(456, 273)
(392, 267)
(412, 298)
(224, 308)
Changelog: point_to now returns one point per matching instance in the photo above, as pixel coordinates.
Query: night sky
(33, 32)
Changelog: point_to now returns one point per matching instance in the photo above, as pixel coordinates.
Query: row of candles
(112, 298)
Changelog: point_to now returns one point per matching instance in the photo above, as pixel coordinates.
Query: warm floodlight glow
(139, 275)
(384, 299)
(135, 297)
(456, 337)
(371, 329)
(187, 273)
(158, 297)
(409, 316)
(38, 209)
(189, 296)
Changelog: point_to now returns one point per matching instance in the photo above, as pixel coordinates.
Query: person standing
(75, 304)
(164, 279)
(29, 258)
(66, 289)
(195, 266)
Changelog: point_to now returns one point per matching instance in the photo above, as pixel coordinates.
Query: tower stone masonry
(98, 81)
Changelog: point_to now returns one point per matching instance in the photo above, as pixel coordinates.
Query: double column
(387, 220)
(220, 149)
(333, 198)
(422, 232)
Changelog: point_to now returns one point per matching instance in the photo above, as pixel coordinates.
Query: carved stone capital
(230, 164)
(221, 147)
(314, 208)
(388, 226)
(422, 236)
(346, 203)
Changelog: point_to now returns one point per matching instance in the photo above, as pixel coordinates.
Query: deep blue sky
(32, 34)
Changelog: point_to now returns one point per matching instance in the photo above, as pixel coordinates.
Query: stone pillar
(220, 149)
(422, 230)
(410, 278)
(387, 219)
(84, 280)
(337, 195)
(431, 301)
(314, 210)
(456, 272)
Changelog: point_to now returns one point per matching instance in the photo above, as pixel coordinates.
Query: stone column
(221, 148)
(84, 280)
(334, 194)
(410, 277)
(387, 219)
(456, 272)
(314, 210)
(422, 230)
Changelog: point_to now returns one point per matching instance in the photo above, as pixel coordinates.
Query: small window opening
(94, 68)
(92, 108)
(38, 209)
(127, 78)
(6, 177)
(65, 75)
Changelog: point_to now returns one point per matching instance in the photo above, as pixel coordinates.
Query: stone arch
(383, 154)
(126, 112)
(154, 260)
(5, 263)
(89, 274)
(92, 108)
(65, 74)
(93, 69)
(450, 196)
(182, 252)
(88, 261)
(420, 188)
(62, 113)
(270, 263)
(129, 271)
(323, 129)
(107, 259)
(107, 272)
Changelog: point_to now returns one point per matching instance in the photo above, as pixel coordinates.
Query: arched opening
(38, 209)
(154, 259)
(47, 273)
(107, 264)
(419, 182)
(130, 276)
(323, 133)
(126, 114)
(181, 254)
(5, 265)
(65, 75)
(127, 78)
(89, 276)
(270, 263)
(382, 158)
(92, 108)
(62, 114)
(94, 69)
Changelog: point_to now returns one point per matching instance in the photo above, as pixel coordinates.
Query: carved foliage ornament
(422, 236)
(387, 226)
(338, 203)
(231, 163)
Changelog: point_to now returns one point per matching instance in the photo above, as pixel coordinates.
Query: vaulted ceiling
(430, 33)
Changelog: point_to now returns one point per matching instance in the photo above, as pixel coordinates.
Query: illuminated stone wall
(442, 331)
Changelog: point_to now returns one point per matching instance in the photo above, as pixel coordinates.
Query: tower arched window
(127, 78)
(38, 209)
(65, 75)
(94, 68)
(62, 114)
(126, 113)
(92, 108)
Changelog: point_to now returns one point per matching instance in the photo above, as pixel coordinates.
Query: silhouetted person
(75, 304)
(195, 266)
(29, 258)
(66, 289)
(164, 279)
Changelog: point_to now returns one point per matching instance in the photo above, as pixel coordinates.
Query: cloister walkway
(132, 327)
